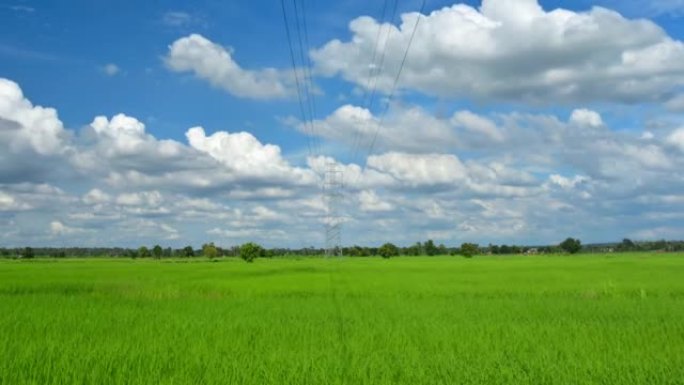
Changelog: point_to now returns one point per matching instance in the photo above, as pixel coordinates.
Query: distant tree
(157, 252)
(388, 250)
(251, 251)
(144, 252)
(415, 250)
(626, 245)
(210, 251)
(571, 245)
(430, 248)
(469, 250)
(27, 253)
(188, 252)
(442, 250)
(168, 252)
(59, 254)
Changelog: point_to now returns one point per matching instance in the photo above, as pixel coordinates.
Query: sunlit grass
(447, 320)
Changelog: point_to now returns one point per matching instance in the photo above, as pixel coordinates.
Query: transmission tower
(332, 192)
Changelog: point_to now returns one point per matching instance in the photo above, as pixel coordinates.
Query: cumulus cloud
(25, 127)
(429, 169)
(215, 64)
(371, 202)
(676, 139)
(96, 196)
(468, 176)
(584, 117)
(32, 138)
(495, 52)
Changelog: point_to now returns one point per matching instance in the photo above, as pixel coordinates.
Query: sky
(127, 123)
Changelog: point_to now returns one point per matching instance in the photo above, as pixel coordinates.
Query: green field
(511, 320)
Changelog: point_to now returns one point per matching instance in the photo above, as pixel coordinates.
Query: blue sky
(493, 123)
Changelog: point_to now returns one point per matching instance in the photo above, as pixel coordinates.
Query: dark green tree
(430, 248)
(571, 245)
(388, 250)
(469, 250)
(27, 253)
(188, 252)
(157, 252)
(251, 251)
(59, 254)
(144, 252)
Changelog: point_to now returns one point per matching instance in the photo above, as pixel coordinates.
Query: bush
(251, 251)
(210, 251)
(388, 250)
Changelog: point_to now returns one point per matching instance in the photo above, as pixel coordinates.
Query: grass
(510, 320)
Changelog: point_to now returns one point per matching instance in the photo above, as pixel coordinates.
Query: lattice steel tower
(332, 192)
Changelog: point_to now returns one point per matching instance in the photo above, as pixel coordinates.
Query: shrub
(210, 251)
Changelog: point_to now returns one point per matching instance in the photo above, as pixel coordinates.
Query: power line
(302, 30)
(294, 70)
(394, 88)
(308, 58)
(374, 71)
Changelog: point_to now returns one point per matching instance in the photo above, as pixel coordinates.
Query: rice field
(593, 319)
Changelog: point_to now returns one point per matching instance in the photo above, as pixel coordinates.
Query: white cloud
(96, 196)
(676, 138)
(567, 183)
(215, 64)
(145, 198)
(111, 69)
(409, 129)
(58, 229)
(371, 202)
(417, 170)
(477, 124)
(9, 203)
(584, 117)
(24, 127)
(495, 53)
(182, 19)
(478, 177)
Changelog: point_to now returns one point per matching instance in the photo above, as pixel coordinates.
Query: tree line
(250, 251)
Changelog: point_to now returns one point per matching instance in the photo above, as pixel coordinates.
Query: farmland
(609, 319)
